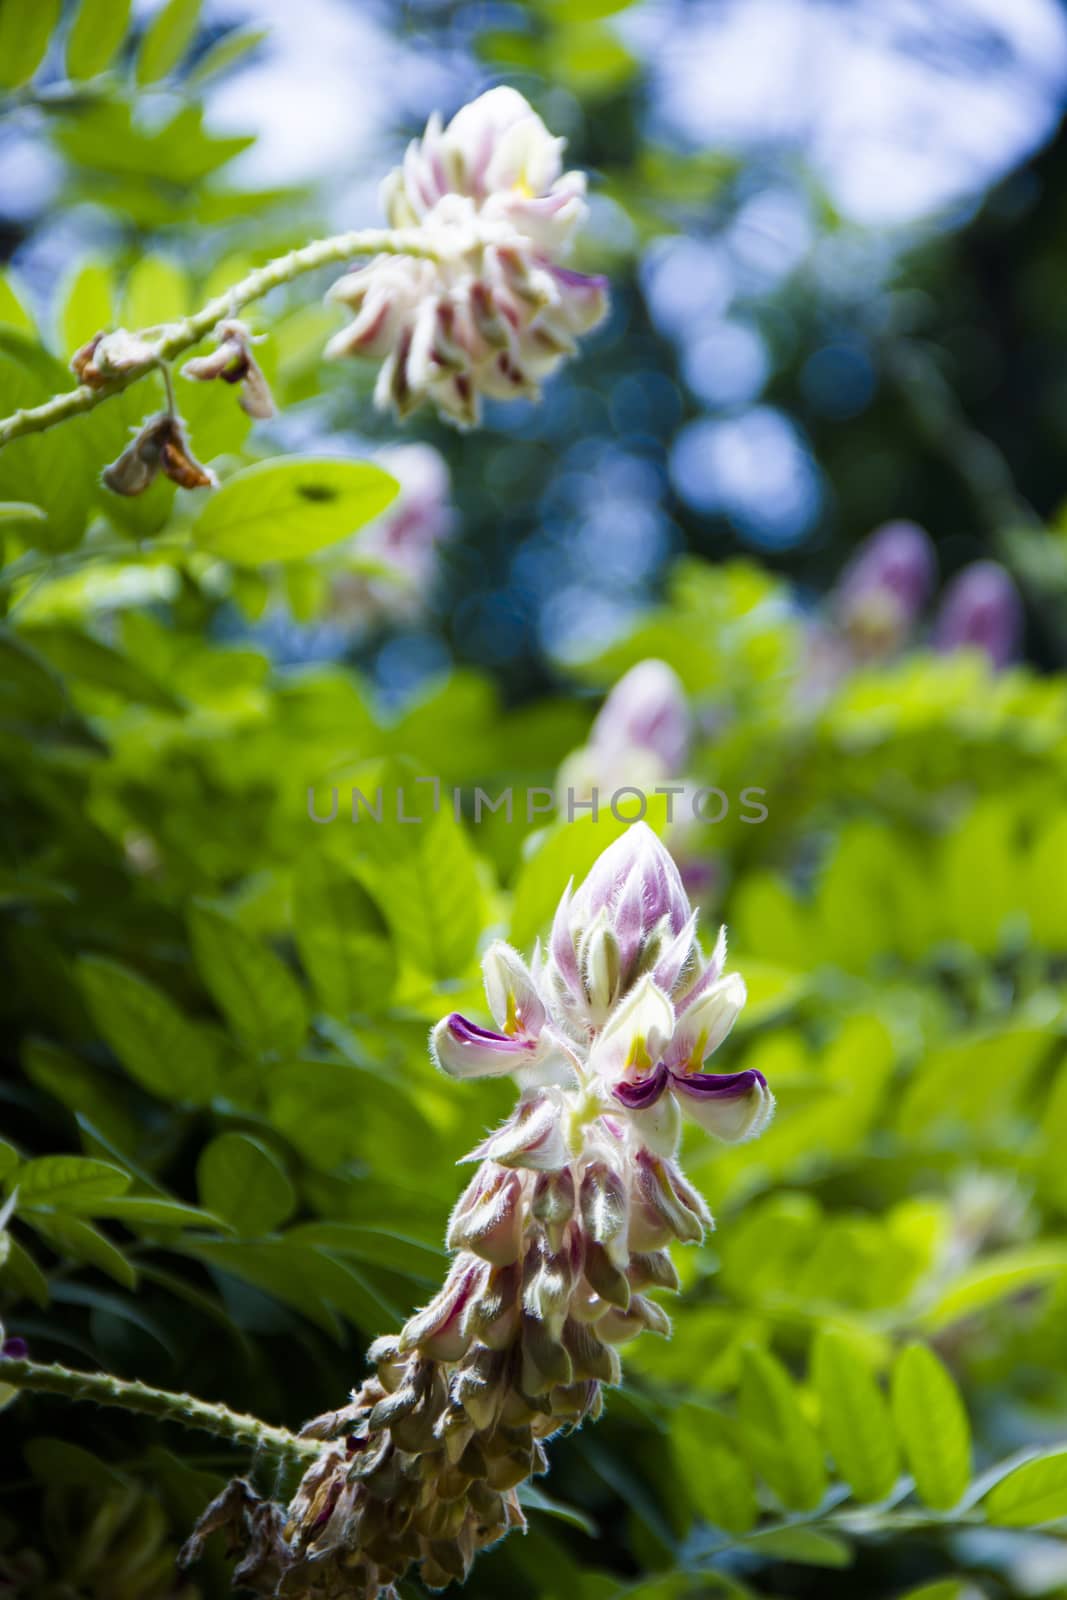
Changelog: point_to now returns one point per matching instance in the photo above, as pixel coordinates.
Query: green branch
(104, 1390)
(177, 337)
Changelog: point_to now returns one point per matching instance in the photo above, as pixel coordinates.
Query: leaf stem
(103, 1389)
(177, 337)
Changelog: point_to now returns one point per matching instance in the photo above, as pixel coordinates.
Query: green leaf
(343, 939)
(54, 469)
(156, 290)
(808, 1546)
(1033, 1494)
(999, 1276)
(17, 516)
(943, 1589)
(776, 1436)
(138, 156)
(855, 1416)
(310, 1281)
(95, 36)
(241, 1180)
(284, 510)
(719, 1482)
(69, 1183)
(932, 1425)
(421, 871)
(168, 37)
(58, 1462)
(256, 992)
(78, 655)
(26, 26)
(146, 1213)
(30, 689)
(378, 1246)
(225, 53)
(20, 1272)
(533, 1499)
(87, 306)
(80, 1241)
(14, 313)
(158, 1046)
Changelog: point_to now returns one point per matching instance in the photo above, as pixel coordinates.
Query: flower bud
(665, 1192)
(885, 586)
(549, 1278)
(488, 1219)
(553, 1203)
(531, 1138)
(604, 1208)
(436, 1330)
(981, 610)
(646, 710)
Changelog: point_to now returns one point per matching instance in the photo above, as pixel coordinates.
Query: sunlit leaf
(1034, 1493)
(932, 1425)
(855, 1416)
(286, 509)
(26, 27)
(776, 1436)
(167, 38)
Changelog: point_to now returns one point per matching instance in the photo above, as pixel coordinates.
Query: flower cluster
(489, 309)
(559, 1239)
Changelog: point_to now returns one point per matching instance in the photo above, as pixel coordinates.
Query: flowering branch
(177, 337)
(560, 1240)
(465, 294)
(104, 1390)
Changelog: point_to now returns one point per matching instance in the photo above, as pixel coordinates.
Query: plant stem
(105, 1390)
(177, 337)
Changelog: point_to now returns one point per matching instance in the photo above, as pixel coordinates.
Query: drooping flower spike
(560, 1239)
(490, 310)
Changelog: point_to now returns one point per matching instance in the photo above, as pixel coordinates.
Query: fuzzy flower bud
(885, 586)
(490, 310)
(646, 710)
(981, 610)
(560, 1239)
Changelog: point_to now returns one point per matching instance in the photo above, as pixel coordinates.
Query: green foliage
(288, 509)
(933, 1426)
(166, 39)
(229, 1158)
(96, 34)
(25, 30)
(855, 1418)
(1033, 1494)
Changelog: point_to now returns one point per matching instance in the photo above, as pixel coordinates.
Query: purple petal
(15, 1349)
(579, 280)
(637, 1094)
(717, 1085)
(465, 1032)
(465, 1050)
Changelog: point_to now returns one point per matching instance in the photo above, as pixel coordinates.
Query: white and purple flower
(620, 1017)
(489, 309)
